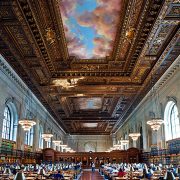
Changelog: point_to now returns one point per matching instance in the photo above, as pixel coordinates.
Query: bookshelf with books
(168, 156)
(8, 145)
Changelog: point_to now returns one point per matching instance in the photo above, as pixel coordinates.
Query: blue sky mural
(90, 26)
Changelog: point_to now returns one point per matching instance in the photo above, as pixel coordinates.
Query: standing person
(93, 167)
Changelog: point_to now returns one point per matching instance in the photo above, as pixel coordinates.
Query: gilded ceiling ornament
(67, 83)
(130, 34)
(50, 35)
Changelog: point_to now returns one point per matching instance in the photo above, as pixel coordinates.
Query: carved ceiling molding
(160, 24)
(128, 23)
(38, 37)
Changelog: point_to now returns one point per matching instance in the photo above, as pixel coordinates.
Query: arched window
(172, 123)
(40, 137)
(29, 137)
(9, 130)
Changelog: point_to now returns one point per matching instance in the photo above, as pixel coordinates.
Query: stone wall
(86, 143)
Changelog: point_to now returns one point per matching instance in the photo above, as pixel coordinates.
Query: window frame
(172, 121)
(10, 122)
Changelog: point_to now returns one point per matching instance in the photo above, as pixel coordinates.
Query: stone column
(134, 143)
(154, 137)
(36, 136)
(2, 104)
(20, 138)
(145, 131)
(44, 144)
(113, 139)
(53, 146)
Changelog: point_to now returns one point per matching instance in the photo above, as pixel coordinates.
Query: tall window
(9, 130)
(172, 122)
(40, 137)
(29, 137)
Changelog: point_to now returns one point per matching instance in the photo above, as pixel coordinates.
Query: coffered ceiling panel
(94, 103)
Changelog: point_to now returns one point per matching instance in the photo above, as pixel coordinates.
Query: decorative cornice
(36, 33)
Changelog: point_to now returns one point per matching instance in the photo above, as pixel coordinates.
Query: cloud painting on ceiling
(89, 103)
(90, 26)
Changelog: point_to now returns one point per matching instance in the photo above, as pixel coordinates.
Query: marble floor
(88, 175)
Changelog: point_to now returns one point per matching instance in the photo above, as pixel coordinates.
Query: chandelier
(108, 151)
(68, 149)
(112, 148)
(56, 142)
(27, 124)
(134, 136)
(72, 151)
(155, 123)
(47, 136)
(67, 83)
(124, 141)
(63, 145)
(116, 146)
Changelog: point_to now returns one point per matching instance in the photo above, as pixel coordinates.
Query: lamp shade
(169, 176)
(47, 136)
(19, 176)
(155, 123)
(41, 171)
(7, 171)
(18, 167)
(134, 136)
(57, 142)
(27, 124)
(124, 141)
(26, 169)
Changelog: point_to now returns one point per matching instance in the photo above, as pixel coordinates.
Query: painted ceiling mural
(89, 103)
(90, 26)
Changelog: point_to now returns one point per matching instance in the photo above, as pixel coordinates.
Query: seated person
(59, 175)
(14, 171)
(121, 173)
